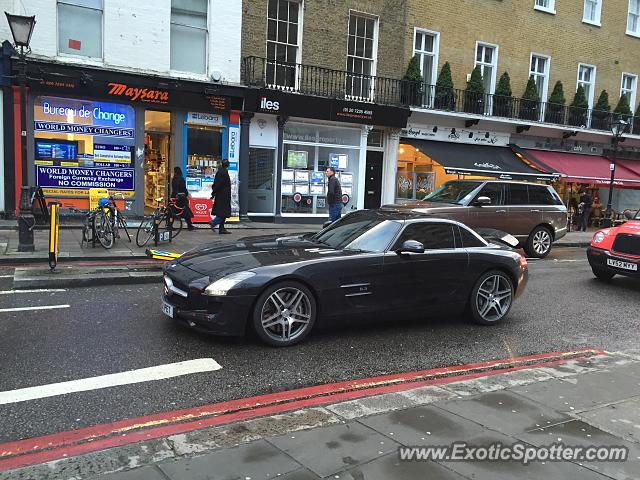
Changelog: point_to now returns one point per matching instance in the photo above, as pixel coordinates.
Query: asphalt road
(114, 329)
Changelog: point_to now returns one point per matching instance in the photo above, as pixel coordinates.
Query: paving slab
(621, 419)
(329, 450)
(427, 425)
(579, 433)
(390, 467)
(257, 460)
(143, 473)
(497, 382)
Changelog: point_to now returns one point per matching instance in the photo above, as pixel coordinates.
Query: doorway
(373, 179)
(157, 161)
(261, 181)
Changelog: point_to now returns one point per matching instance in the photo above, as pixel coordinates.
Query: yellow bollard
(54, 218)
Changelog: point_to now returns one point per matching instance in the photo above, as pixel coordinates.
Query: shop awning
(632, 165)
(578, 168)
(480, 160)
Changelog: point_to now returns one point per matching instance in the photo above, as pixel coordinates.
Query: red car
(616, 250)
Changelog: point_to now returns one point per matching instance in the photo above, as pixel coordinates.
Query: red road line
(59, 445)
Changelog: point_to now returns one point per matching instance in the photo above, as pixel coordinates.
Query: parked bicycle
(104, 223)
(118, 220)
(164, 224)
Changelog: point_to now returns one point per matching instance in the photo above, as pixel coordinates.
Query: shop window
(157, 148)
(189, 36)
(80, 27)
(283, 40)
(204, 155)
(415, 177)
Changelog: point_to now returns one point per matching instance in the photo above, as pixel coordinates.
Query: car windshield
(637, 217)
(359, 231)
(452, 192)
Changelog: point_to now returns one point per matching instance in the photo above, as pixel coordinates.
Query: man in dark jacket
(586, 203)
(221, 195)
(180, 193)
(334, 195)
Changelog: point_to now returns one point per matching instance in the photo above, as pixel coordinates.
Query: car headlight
(221, 286)
(598, 237)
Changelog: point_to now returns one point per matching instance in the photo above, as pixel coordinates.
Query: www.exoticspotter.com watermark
(515, 452)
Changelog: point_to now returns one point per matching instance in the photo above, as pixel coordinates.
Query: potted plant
(503, 99)
(445, 96)
(579, 108)
(474, 93)
(555, 111)
(530, 102)
(412, 84)
(600, 116)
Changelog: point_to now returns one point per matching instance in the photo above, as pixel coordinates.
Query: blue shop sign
(84, 178)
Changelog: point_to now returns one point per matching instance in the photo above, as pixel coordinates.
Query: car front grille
(627, 244)
(193, 299)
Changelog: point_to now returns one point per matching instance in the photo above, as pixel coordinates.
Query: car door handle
(501, 211)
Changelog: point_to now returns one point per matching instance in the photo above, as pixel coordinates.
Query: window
(539, 70)
(587, 79)
(283, 40)
(592, 11)
(518, 194)
(189, 36)
(495, 191)
(545, 5)
(431, 235)
(425, 47)
(469, 239)
(628, 88)
(633, 18)
(540, 196)
(80, 27)
(487, 59)
(361, 54)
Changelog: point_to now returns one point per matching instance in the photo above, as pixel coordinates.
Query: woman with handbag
(180, 193)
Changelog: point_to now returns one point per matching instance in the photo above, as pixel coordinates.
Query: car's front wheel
(284, 314)
(602, 274)
(491, 297)
(539, 243)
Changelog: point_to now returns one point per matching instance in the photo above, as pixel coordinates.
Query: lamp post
(618, 127)
(21, 30)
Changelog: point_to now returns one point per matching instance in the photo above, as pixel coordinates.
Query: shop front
(126, 133)
(294, 138)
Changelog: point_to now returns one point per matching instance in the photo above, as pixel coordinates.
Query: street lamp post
(618, 127)
(21, 30)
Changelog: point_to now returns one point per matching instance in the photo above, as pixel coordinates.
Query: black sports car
(369, 262)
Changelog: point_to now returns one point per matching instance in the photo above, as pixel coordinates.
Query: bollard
(54, 218)
(26, 222)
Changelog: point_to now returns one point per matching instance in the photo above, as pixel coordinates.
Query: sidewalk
(582, 402)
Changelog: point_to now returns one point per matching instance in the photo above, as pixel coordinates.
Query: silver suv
(531, 212)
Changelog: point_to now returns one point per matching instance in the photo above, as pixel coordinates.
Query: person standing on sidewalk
(585, 203)
(180, 193)
(221, 195)
(334, 195)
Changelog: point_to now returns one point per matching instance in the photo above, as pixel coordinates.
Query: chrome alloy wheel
(541, 242)
(286, 314)
(494, 298)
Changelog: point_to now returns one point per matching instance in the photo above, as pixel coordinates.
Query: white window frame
(494, 62)
(374, 51)
(300, 31)
(633, 33)
(592, 83)
(598, 13)
(95, 60)
(206, 44)
(550, 9)
(544, 97)
(435, 55)
(633, 92)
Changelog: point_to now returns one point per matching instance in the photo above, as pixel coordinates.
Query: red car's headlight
(598, 237)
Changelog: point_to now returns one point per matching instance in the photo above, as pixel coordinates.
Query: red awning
(633, 165)
(577, 168)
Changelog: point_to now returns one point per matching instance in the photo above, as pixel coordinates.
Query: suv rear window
(541, 195)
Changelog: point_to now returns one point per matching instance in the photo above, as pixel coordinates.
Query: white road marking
(41, 290)
(42, 307)
(149, 374)
(6, 276)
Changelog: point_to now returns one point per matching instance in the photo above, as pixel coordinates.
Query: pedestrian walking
(181, 194)
(334, 195)
(221, 195)
(584, 207)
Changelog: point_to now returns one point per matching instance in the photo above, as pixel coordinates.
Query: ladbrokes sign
(136, 94)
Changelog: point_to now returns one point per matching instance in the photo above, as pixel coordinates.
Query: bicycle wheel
(145, 231)
(176, 225)
(104, 229)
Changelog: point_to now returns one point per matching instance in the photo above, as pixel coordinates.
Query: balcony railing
(325, 82)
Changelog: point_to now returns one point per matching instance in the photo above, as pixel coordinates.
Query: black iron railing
(325, 82)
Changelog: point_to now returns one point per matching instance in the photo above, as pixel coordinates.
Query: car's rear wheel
(539, 243)
(491, 297)
(602, 274)
(284, 314)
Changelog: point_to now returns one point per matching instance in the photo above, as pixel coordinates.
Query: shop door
(373, 180)
(261, 181)
(157, 163)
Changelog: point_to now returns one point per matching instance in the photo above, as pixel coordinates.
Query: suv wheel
(539, 243)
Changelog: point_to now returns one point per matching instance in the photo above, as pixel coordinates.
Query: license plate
(619, 264)
(167, 309)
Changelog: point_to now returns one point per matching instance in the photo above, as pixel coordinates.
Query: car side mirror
(411, 246)
(478, 202)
